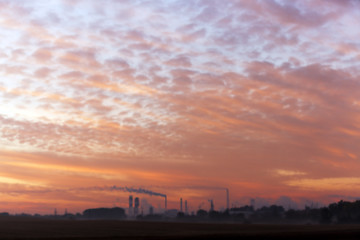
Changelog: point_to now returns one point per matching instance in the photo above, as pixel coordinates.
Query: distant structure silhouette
(211, 205)
(181, 205)
(136, 208)
(227, 199)
(131, 212)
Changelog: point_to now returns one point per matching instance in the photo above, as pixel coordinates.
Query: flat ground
(25, 228)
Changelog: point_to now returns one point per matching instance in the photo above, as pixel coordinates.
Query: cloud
(117, 63)
(72, 75)
(43, 55)
(210, 91)
(8, 180)
(288, 173)
(339, 184)
(181, 61)
(79, 58)
(43, 72)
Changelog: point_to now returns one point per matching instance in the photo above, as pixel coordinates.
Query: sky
(183, 98)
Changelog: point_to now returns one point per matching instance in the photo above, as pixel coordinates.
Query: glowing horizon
(261, 97)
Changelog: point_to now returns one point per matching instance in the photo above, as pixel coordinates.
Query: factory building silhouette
(134, 209)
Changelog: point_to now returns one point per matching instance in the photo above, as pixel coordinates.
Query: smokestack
(130, 201)
(137, 204)
(227, 199)
(181, 205)
(186, 207)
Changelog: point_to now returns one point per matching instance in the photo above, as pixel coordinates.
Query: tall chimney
(181, 205)
(137, 204)
(130, 201)
(186, 207)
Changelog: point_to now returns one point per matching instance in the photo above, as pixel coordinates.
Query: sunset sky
(181, 97)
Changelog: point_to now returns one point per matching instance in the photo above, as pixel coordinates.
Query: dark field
(25, 228)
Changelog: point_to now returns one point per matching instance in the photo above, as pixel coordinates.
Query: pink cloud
(43, 55)
(73, 75)
(43, 72)
(117, 63)
(79, 58)
(180, 61)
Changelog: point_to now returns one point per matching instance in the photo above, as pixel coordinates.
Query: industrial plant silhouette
(336, 221)
(341, 212)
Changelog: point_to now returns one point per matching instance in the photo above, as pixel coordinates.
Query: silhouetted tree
(273, 212)
(215, 215)
(325, 215)
(345, 212)
(292, 214)
(107, 213)
(246, 208)
(201, 213)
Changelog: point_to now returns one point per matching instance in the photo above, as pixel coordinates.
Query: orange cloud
(340, 184)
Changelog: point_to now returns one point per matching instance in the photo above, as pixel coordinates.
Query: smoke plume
(123, 189)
